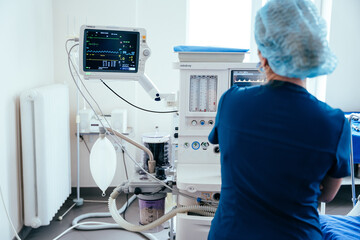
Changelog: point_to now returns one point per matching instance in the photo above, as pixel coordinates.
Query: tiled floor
(340, 205)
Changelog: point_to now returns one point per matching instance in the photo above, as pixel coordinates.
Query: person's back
(277, 143)
(282, 150)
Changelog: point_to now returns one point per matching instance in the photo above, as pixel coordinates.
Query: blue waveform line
(102, 51)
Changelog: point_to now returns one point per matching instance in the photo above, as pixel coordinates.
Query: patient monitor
(115, 53)
(112, 52)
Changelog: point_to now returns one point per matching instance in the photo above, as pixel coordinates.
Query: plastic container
(85, 119)
(160, 146)
(151, 208)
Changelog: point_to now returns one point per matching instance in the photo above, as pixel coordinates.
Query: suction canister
(151, 208)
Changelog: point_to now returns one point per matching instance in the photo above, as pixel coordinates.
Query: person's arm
(329, 187)
(341, 167)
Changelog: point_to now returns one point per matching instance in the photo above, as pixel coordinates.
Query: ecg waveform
(111, 50)
(102, 51)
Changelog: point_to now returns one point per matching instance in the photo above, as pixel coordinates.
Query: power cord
(127, 205)
(85, 223)
(143, 109)
(127, 179)
(82, 138)
(71, 64)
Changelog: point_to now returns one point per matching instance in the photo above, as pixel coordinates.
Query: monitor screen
(110, 51)
(247, 78)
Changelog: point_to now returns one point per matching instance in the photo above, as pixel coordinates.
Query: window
(230, 23)
(225, 23)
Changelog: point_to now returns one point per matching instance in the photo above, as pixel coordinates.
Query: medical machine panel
(198, 149)
(246, 78)
(112, 52)
(107, 50)
(203, 90)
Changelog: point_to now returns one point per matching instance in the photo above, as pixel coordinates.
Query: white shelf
(347, 181)
(129, 130)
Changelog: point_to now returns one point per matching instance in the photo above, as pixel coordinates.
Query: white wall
(32, 49)
(343, 86)
(69, 15)
(166, 28)
(165, 23)
(26, 47)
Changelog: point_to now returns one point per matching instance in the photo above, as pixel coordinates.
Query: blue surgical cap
(291, 35)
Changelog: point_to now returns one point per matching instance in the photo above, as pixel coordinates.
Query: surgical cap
(291, 35)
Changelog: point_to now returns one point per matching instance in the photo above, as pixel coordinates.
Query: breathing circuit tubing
(203, 210)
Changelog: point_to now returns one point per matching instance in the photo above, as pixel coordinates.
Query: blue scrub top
(277, 143)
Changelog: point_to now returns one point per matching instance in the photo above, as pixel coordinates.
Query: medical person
(282, 150)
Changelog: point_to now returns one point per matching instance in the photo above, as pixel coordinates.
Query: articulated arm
(149, 87)
(152, 90)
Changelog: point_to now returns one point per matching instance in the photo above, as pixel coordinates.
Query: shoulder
(236, 91)
(332, 117)
(329, 111)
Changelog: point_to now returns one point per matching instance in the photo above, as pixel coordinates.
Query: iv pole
(78, 201)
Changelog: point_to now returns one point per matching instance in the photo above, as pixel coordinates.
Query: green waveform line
(103, 38)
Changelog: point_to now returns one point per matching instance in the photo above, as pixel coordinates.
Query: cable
(82, 94)
(149, 236)
(7, 214)
(69, 59)
(127, 205)
(127, 179)
(79, 224)
(98, 118)
(88, 92)
(126, 172)
(87, 101)
(143, 109)
(101, 215)
(82, 138)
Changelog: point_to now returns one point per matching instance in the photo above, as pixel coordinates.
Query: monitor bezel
(114, 74)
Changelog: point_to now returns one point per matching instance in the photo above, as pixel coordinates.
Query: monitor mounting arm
(153, 91)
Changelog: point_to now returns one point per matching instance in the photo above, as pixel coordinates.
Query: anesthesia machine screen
(247, 78)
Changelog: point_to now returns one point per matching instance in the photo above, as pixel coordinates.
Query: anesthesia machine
(205, 74)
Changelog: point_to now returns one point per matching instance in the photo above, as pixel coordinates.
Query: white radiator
(45, 152)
